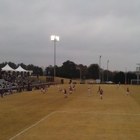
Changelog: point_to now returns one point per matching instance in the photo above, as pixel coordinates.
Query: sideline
(93, 112)
(31, 126)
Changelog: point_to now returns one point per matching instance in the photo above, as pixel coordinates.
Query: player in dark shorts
(2, 93)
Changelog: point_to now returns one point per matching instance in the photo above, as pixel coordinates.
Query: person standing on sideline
(2, 93)
(127, 91)
(101, 93)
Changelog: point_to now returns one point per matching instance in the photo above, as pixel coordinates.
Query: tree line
(73, 71)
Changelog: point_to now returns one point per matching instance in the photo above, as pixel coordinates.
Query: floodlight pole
(54, 57)
(125, 75)
(54, 39)
(138, 72)
(80, 73)
(107, 69)
(100, 67)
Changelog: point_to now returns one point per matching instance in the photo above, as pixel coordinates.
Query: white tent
(7, 68)
(20, 69)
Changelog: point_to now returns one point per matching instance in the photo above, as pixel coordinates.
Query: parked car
(109, 82)
(91, 82)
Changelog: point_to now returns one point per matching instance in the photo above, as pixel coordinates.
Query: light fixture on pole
(54, 39)
(107, 69)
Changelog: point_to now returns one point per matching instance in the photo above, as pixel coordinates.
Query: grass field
(37, 116)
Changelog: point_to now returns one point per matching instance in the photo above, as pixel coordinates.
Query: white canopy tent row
(19, 69)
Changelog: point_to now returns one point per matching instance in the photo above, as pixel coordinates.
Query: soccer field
(37, 116)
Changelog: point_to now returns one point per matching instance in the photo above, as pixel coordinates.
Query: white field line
(85, 112)
(32, 126)
(93, 112)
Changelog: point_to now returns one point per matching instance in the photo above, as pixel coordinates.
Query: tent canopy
(20, 69)
(7, 68)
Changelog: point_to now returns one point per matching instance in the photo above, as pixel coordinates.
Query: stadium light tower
(107, 69)
(100, 67)
(125, 75)
(54, 39)
(138, 72)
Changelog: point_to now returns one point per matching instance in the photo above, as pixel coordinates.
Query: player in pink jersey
(127, 91)
(101, 93)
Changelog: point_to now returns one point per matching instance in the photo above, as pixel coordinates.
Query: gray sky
(87, 29)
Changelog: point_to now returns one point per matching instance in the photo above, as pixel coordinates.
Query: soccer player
(65, 93)
(59, 89)
(127, 91)
(101, 93)
(89, 91)
(118, 85)
(73, 87)
(43, 88)
(70, 89)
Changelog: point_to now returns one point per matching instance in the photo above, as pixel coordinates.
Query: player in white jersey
(89, 90)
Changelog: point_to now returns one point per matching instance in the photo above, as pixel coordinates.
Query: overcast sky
(87, 29)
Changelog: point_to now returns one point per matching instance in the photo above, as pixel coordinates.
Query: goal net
(135, 81)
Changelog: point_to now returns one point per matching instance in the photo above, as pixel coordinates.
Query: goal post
(135, 81)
